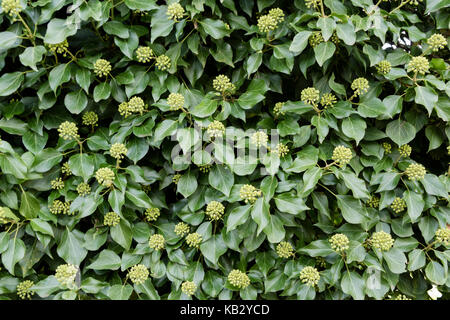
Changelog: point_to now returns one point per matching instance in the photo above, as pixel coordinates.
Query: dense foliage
(254, 149)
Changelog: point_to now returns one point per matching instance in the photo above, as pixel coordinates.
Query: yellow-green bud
(152, 214)
(415, 171)
(328, 100)
(335, 39)
(342, 155)
(398, 205)
(123, 109)
(194, 240)
(443, 235)
(387, 147)
(339, 242)
(405, 150)
(188, 288)
(223, 84)
(281, 150)
(90, 119)
(310, 276)
(136, 105)
(68, 130)
(176, 178)
(216, 129)
(382, 240)
(59, 207)
(60, 48)
(118, 150)
(259, 139)
(144, 54)
(111, 219)
(83, 189)
(205, 168)
(285, 250)
(175, 12)
(310, 95)
(373, 202)
(163, 62)
(66, 169)
(360, 86)
(437, 41)
(57, 184)
(238, 279)
(277, 109)
(66, 274)
(105, 176)
(267, 23)
(12, 7)
(249, 193)
(175, 101)
(401, 297)
(138, 274)
(414, 2)
(315, 39)
(419, 65)
(157, 242)
(181, 229)
(312, 3)
(277, 14)
(102, 67)
(24, 289)
(215, 210)
(384, 67)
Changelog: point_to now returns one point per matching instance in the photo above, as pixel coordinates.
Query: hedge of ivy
(232, 149)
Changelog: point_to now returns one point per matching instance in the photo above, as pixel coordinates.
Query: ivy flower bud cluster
(328, 100)
(339, 242)
(259, 139)
(57, 184)
(59, 207)
(163, 62)
(205, 168)
(111, 219)
(312, 3)
(152, 214)
(60, 48)
(360, 86)
(238, 279)
(12, 7)
(281, 150)
(215, 210)
(215, 129)
(66, 273)
(277, 109)
(418, 65)
(68, 130)
(194, 240)
(437, 41)
(157, 242)
(138, 274)
(175, 12)
(144, 54)
(382, 240)
(249, 193)
(387, 147)
(176, 178)
(90, 119)
(175, 101)
(405, 150)
(373, 202)
(443, 235)
(383, 67)
(181, 229)
(415, 171)
(315, 39)
(105, 176)
(134, 105)
(398, 205)
(223, 85)
(310, 276)
(310, 95)
(83, 189)
(102, 67)
(342, 155)
(65, 168)
(118, 151)
(285, 250)
(24, 289)
(188, 288)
